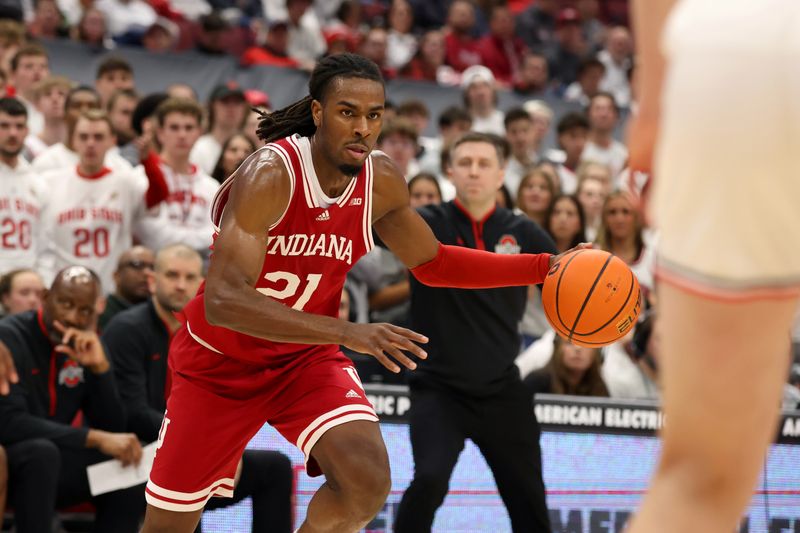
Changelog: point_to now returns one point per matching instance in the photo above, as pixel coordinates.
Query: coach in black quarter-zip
(63, 369)
(469, 386)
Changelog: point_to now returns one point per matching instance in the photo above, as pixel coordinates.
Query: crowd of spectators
(568, 48)
(106, 179)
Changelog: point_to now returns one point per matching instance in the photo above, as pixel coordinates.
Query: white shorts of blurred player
(727, 180)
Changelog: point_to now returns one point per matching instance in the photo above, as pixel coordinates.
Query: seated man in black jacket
(130, 279)
(63, 369)
(138, 341)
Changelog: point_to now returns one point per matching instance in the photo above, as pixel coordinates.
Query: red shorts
(217, 404)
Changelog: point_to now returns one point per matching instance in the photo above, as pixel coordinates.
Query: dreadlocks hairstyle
(297, 118)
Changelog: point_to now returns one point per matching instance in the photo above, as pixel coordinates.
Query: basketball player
(261, 341)
(21, 193)
(729, 265)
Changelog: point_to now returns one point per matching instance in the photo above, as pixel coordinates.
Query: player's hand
(8, 372)
(582, 246)
(83, 347)
(384, 340)
(122, 446)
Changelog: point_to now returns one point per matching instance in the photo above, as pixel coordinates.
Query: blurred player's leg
(725, 204)
(722, 395)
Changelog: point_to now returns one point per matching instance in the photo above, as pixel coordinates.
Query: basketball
(591, 298)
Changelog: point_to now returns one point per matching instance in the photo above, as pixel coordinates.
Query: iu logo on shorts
(163, 431)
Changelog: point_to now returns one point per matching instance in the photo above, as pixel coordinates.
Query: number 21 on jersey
(291, 287)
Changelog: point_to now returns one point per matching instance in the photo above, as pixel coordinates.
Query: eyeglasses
(137, 265)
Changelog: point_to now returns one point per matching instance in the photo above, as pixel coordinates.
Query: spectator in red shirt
(461, 48)
(274, 50)
(501, 50)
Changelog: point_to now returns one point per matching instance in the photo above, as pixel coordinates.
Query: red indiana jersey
(309, 251)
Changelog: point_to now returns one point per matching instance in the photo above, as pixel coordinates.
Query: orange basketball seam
(588, 296)
(553, 324)
(558, 287)
(622, 308)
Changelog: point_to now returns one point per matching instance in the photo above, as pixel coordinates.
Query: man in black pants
(138, 341)
(62, 369)
(469, 386)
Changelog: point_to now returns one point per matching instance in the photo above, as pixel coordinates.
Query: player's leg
(323, 410)
(211, 415)
(722, 395)
(726, 189)
(515, 458)
(357, 479)
(437, 439)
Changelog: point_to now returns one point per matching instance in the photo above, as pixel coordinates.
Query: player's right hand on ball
(122, 446)
(384, 340)
(582, 246)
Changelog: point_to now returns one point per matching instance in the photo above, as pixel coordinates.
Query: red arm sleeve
(465, 268)
(157, 190)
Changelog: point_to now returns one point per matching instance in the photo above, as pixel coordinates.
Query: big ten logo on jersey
(322, 245)
(507, 244)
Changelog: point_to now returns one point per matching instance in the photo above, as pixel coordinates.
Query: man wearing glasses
(130, 280)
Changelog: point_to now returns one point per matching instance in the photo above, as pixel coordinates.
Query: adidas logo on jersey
(323, 216)
(352, 394)
(355, 201)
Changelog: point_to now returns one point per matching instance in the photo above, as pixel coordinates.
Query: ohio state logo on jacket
(507, 245)
(71, 374)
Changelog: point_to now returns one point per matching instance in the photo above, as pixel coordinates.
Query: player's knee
(373, 489)
(367, 483)
(371, 482)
